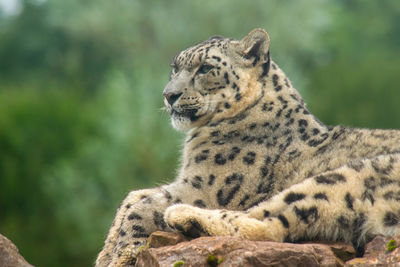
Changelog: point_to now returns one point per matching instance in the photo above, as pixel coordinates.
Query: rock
(230, 251)
(161, 239)
(9, 255)
(381, 251)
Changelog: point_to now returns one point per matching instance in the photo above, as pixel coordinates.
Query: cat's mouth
(187, 113)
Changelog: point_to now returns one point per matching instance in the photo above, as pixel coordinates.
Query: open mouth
(189, 113)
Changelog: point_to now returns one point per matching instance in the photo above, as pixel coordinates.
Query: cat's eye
(204, 69)
(175, 69)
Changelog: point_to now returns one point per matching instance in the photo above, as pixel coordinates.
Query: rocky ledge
(172, 249)
(9, 255)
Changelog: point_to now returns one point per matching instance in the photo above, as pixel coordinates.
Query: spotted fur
(257, 164)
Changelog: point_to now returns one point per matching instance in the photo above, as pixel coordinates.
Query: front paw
(185, 219)
(122, 256)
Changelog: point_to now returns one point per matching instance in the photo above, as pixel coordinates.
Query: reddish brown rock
(229, 251)
(381, 251)
(9, 255)
(161, 239)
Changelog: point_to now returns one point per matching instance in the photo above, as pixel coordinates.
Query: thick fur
(256, 164)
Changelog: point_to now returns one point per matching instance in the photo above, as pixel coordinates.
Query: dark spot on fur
(356, 165)
(289, 114)
(195, 135)
(158, 219)
(211, 179)
(232, 186)
(147, 200)
(370, 183)
(391, 195)
(200, 157)
(234, 152)
(238, 96)
(289, 122)
(215, 133)
(321, 196)
(390, 219)
(315, 131)
(349, 201)
(293, 197)
(134, 216)
(234, 86)
(177, 201)
(199, 203)
(316, 142)
(307, 215)
(330, 178)
(140, 235)
(263, 171)
(197, 182)
(219, 159)
(305, 137)
(138, 228)
(249, 158)
(275, 79)
(379, 167)
(284, 221)
(167, 195)
(244, 200)
(343, 222)
(368, 196)
(266, 213)
(258, 201)
(321, 150)
(303, 123)
(385, 181)
(359, 243)
(337, 134)
(226, 77)
(216, 58)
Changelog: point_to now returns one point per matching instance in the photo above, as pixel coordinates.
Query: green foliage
(80, 98)
(213, 261)
(357, 73)
(34, 137)
(178, 263)
(391, 245)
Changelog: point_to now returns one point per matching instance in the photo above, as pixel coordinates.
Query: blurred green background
(80, 98)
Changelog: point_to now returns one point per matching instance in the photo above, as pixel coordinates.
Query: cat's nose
(172, 97)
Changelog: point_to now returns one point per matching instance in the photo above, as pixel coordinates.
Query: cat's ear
(254, 46)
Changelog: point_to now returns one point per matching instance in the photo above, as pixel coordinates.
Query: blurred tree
(33, 138)
(357, 73)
